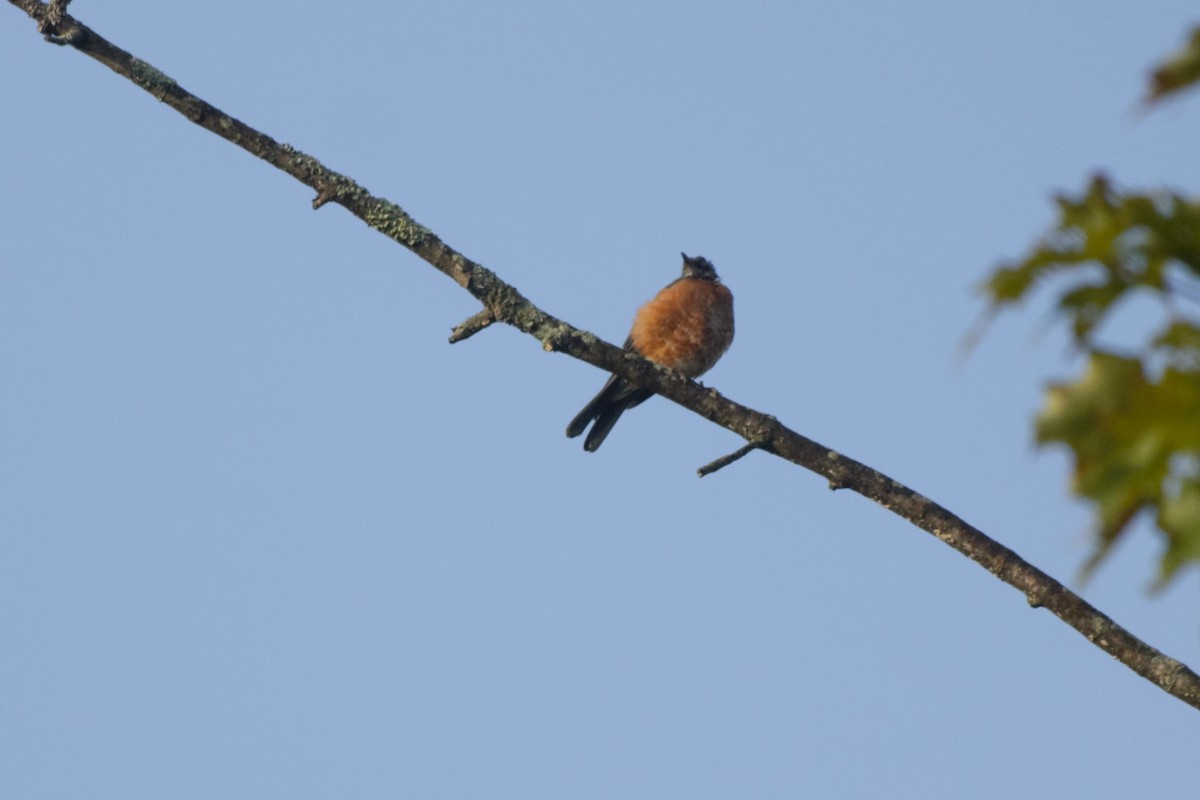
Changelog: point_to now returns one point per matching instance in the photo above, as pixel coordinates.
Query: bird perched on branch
(687, 327)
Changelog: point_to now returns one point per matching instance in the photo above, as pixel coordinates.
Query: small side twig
(725, 461)
(472, 325)
(322, 198)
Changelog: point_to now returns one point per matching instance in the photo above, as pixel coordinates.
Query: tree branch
(503, 303)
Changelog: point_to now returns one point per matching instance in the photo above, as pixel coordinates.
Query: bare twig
(725, 461)
(472, 325)
(509, 306)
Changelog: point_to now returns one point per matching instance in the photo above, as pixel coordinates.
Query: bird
(687, 326)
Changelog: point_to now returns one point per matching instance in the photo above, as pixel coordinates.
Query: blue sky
(265, 534)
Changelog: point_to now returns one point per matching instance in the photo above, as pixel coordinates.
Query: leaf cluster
(1131, 421)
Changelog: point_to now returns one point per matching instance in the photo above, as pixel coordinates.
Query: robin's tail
(604, 423)
(606, 408)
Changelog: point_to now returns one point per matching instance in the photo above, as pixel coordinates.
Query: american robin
(687, 326)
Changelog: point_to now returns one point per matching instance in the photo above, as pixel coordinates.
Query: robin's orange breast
(687, 326)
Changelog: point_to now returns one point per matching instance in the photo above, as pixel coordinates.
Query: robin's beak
(685, 257)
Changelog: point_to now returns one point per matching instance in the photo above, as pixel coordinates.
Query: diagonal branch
(503, 303)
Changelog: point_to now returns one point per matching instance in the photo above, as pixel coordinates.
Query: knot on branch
(57, 28)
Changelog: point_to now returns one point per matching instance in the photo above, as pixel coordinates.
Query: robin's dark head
(698, 267)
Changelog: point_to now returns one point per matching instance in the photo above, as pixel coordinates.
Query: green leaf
(1179, 518)
(1180, 342)
(1132, 439)
(1179, 71)
(1086, 305)
(1107, 244)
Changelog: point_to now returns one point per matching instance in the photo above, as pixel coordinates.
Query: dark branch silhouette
(503, 303)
